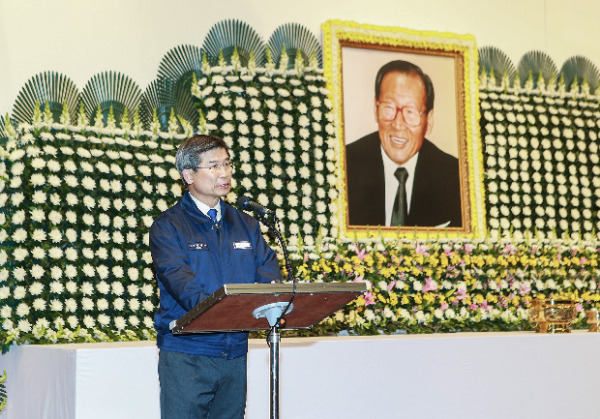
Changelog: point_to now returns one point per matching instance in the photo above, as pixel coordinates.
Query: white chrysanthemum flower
(37, 179)
(118, 271)
(18, 217)
(117, 288)
(88, 270)
(130, 187)
(89, 202)
(39, 197)
(103, 319)
(87, 304)
(147, 220)
(288, 132)
(16, 183)
(119, 321)
(70, 271)
(133, 274)
(102, 271)
(38, 235)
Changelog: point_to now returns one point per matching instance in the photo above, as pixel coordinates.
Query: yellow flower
(429, 297)
(443, 260)
(491, 298)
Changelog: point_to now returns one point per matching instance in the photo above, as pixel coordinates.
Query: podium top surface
(231, 307)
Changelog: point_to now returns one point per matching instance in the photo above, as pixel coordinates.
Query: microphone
(246, 203)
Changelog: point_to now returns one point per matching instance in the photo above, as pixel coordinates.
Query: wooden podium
(275, 307)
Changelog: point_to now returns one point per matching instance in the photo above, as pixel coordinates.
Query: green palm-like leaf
(151, 102)
(228, 35)
(3, 133)
(492, 58)
(581, 68)
(175, 74)
(295, 37)
(536, 63)
(110, 89)
(46, 89)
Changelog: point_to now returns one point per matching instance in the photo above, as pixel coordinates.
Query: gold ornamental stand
(244, 307)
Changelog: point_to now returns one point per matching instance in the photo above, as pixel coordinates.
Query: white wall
(81, 38)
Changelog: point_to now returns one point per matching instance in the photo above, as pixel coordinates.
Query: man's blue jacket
(192, 262)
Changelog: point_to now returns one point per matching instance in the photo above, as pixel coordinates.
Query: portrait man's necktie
(400, 204)
(212, 213)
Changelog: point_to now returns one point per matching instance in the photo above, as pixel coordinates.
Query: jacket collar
(189, 206)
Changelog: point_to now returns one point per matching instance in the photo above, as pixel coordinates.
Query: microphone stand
(276, 317)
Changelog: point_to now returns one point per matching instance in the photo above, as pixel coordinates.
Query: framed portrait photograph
(409, 151)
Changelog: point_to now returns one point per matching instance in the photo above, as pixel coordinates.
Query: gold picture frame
(353, 53)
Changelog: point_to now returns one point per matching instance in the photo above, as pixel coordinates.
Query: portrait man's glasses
(217, 167)
(387, 111)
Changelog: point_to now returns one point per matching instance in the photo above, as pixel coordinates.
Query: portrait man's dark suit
(435, 199)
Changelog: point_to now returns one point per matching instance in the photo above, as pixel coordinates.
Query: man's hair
(406, 68)
(189, 152)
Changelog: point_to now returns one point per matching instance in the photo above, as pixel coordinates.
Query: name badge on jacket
(242, 245)
(198, 246)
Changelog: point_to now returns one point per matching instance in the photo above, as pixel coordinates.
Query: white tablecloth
(463, 375)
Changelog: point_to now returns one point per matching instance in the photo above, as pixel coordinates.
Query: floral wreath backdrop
(541, 155)
(77, 199)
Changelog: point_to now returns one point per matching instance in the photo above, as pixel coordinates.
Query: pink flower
(444, 306)
(361, 254)
(430, 285)
(473, 306)
(579, 307)
(461, 293)
(369, 298)
(448, 252)
(582, 261)
(422, 250)
(525, 288)
(391, 284)
(468, 248)
(359, 279)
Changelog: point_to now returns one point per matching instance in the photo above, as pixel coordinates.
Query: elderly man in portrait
(397, 177)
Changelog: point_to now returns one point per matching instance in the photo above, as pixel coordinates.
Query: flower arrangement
(441, 285)
(278, 124)
(74, 261)
(77, 201)
(541, 158)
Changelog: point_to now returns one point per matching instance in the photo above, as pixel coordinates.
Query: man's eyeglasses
(217, 167)
(388, 112)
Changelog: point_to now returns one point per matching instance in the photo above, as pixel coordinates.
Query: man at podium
(197, 246)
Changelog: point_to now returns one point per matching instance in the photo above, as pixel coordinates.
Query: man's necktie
(212, 213)
(400, 204)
